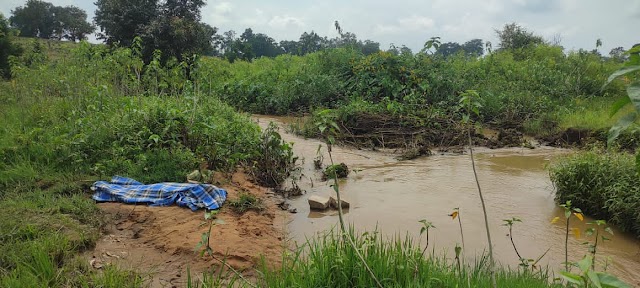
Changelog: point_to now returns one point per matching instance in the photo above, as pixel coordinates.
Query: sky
(578, 23)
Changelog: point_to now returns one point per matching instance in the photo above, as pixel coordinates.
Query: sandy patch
(159, 242)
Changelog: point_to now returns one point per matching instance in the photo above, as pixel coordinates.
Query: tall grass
(328, 260)
(604, 185)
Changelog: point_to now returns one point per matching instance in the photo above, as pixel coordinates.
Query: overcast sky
(411, 22)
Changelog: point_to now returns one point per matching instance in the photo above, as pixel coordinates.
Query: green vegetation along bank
(70, 121)
(99, 111)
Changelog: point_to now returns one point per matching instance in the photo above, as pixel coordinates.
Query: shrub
(604, 185)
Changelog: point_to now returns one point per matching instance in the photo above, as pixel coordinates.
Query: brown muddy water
(392, 196)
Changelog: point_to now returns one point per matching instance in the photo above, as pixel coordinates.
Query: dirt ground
(159, 242)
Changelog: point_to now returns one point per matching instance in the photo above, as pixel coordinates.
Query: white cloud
(411, 23)
(285, 21)
(416, 22)
(220, 13)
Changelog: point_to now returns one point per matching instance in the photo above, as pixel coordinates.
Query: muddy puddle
(392, 196)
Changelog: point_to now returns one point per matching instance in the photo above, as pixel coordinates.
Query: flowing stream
(392, 196)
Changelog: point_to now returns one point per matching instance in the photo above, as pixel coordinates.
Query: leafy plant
(633, 94)
(569, 211)
(593, 247)
(204, 247)
(276, 160)
(469, 102)
(587, 277)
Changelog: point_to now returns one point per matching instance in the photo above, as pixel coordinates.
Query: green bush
(605, 185)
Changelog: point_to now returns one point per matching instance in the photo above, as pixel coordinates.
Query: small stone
(95, 263)
(284, 205)
(293, 210)
(319, 202)
(334, 202)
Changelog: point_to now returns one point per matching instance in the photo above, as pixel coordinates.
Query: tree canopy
(513, 36)
(172, 26)
(45, 20)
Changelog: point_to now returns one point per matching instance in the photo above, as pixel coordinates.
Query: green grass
(330, 261)
(605, 185)
(590, 113)
(43, 227)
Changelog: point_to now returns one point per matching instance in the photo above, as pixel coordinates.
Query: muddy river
(392, 196)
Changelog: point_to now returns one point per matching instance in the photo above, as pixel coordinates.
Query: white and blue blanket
(127, 190)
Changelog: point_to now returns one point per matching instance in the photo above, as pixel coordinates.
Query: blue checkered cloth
(127, 190)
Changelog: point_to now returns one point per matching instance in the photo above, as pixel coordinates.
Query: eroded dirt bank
(159, 242)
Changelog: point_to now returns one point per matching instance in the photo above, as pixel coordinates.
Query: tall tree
(405, 51)
(260, 44)
(311, 42)
(121, 20)
(34, 19)
(71, 23)
(617, 54)
(290, 47)
(447, 49)
(172, 26)
(473, 47)
(7, 47)
(513, 36)
(177, 31)
(369, 47)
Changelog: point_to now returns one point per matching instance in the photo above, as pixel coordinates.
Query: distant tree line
(252, 45)
(44, 20)
(175, 28)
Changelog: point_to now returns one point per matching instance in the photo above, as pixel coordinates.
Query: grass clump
(245, 202)
(330, 261)
(339, 170)
(604, 185)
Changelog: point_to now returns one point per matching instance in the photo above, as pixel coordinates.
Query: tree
(177, 31)
(393, 49)
(448, 49)
(405, 51)
(513, 36)
(311, 42)
(174, 26)
(121, 20)
(260, 44)
(618, 54)
(71, 23)
(369, 47)
(290, 47)
(7, 47)
(473, 48)
(34, 19)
